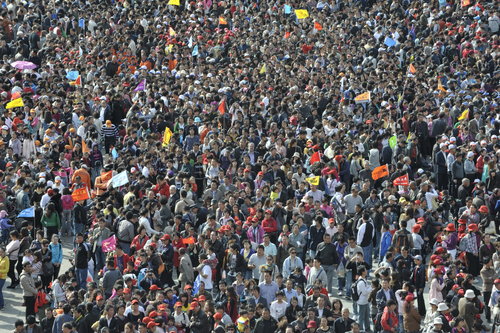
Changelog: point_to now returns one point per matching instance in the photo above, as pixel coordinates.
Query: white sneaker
(340, 293)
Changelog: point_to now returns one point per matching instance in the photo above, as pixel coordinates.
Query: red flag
(318, 26)
(222, 107)
(15, 95)
(402, 181)
(172, 63)
(315, 158)
(412, 69)
(287, 34)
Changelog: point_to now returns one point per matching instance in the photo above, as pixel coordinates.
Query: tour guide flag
(15, 103)
(315, 158)
(80, 194)
(363, 98)
(109, 244)
(402, 181)
(222, 107)
(141, 86)
(167, 136)
(464, 114)
(380, 172)
(412, 69)
(301, 13)
(174, 2)
(313, 180)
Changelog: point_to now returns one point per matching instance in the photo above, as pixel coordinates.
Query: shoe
(347, 297)
(340, 292)
(12, 286)
(2, 308)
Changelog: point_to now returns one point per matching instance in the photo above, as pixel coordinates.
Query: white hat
(441, 145)
(420, 171)
(443, 307)
(470, 154)
(57, 178)
(438, 321)
(452, 147)
(469, 293)
(434, 301)
(453, 139)
(5, 127)
(392, 197)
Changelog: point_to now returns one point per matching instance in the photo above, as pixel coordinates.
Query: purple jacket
(259, 233)
(452, 241)
(4, 224)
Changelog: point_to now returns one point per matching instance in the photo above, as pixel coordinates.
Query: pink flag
(109, 244)
(207, 4)
(141, 86)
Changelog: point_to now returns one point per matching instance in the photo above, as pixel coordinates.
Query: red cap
(134, 301)
(153, 314)
(165, 237)
(154, 287)
(437, 262)
(483, 209)
(417, 202)
(462, 221)
(146, 320)
(461, 292)
(126, 290)
(152, 324)
(450, 227)
(188, 286)
(99, 297)
(193, 305)
(260, 173)
(268, 211)
(416, 228)
(202, 298)
(440, 250)
(162, 306)
(455, 287)
(311, 323)
(218, 316)
(434, 257)
(472, 227)
(496, 281)
(246, 170)
(409, 298)
(420, 219)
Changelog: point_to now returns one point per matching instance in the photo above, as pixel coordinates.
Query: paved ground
(14, 298)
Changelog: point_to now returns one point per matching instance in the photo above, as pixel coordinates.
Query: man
(47, 322)
(23, 198)
(126, 232)
(256, 260)
(198, 319)
(291, 262)
(65, 317)
(418, 280)
(256, 298)
(384, 294)
(266, 323)
(467, 309)
(350, 254)
(205, 273)
(366, 234)
(344, 323)
(364, 290)
(19, 326)
(317, 273)
(82, 255)
(29, 289)
(31, 326)
(442, 169)
(109, 320)
(268, 287)
(278, 307)
(186, 271)
(327, 253)
(110, 277)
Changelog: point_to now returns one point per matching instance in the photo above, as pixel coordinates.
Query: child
(385, 241)
(4, 227)
(67, 204)
(36, 265)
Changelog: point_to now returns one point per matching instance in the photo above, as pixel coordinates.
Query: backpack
(401, 240)
(354, 290)
(378, 322)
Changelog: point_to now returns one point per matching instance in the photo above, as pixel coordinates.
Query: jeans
(400, 324)
(364, 317)
(2, 282)
(312, 254)
(29, 302)
(348, 282)
(66, 222)
(12, 273)
(341, 283)
(77, 228)
(100, 258)
(81, 277)
(125, 247)
(330, 273)
(378, 237)
(368, 254)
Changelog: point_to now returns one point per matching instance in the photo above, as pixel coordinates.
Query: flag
(466, 3)
(287, 34)
(15, 95)
(440, 86)
(172, 63)
(315, 157)
(222, 107)
(105, 176)
(380, 172)
(85, 148)
(313, 180)
(402, 181)
(171, 31)
(222, 21)
(80, 50)
(189, 240)
(120, 179)
(318, 26)
(77, 82)
(141, 86)
(109, 244)
(80, 194)
(412, 69)
(301, 13)
(17, 103)
(167, 136)
(464, 115)
(288, 9)
(195, 51)
(174, 2)
(363, 98)
(72, 75)
(393, 141)
(263, 70)
(190, 42)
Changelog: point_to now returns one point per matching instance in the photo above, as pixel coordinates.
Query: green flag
(393, 141)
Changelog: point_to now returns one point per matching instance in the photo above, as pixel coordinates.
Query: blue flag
(195, 51)
(72, 75)
(288, 9)
(389, 42)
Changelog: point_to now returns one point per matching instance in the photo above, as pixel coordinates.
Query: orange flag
(189, 240)
(105, 176)
(85, 148)
(222, 21)
(80, 194)
(287, 34)
(380, 172)
(15, 95)
(412, 69)
(318, 26)
(466, 3)
(315, 158)
(222, 107)
(172, 63)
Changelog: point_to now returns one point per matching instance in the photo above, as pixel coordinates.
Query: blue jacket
(57, 255)
(385, 243)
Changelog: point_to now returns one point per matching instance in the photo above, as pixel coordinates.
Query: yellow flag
(464, 115)
(301, 13)
(263, 69)
(169, 48)
(167, 136)
(171, 31)
(313, 180)
(363, 98)
(175, 2)
(18, 102)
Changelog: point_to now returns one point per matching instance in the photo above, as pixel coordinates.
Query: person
(48, 321)
(82, 254)
(51, 220)
(364, 289)
(266, 323)
(12, 252)
(108, 320)
(389, 320)
(411, 316)
(29, 289)
(327, 253)
(198, 320)
(31, 325)
(467, 309)
(110, 277)
(61, 319)
(4, 269)
(19, 326)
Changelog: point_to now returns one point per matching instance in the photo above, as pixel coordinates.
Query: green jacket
(52, 221)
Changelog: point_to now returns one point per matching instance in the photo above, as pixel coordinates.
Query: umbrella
(28, 212)
(23, 65)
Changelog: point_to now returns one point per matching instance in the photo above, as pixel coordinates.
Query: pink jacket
(67, 202)
(435, 290)
(260, 234)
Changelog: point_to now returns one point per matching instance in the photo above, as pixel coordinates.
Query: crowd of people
(250, 166)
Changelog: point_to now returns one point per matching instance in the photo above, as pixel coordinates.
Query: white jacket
(364, 290)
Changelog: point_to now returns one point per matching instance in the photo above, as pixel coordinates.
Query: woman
(50, 220)
(140, 240)
(59, 292)
(231, 307)
(337, 307)
(13, 255)
(389, 320)
(135, 316)
(293, 309)
(437, 285)
(57, 255)
(47, 265)
(4, 269)
(411, 316)
(247, 252)
(323, 326)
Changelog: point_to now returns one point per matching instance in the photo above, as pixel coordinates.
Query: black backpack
(402, 240)
(354, 290)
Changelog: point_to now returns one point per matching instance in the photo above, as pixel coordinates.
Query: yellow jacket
(4, 267)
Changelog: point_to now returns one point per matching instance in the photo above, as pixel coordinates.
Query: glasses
(293, 252)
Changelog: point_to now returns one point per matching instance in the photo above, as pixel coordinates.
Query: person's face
(266, 314)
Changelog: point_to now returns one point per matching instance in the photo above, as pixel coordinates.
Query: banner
(120, 179)
(17, 103)
(363, 98)
(402, 181)
(80, 194)
(167, 135)
(301, 13)
(313, 180)
(109, 244)
(315, 158)
(380, 172)
(141, 86)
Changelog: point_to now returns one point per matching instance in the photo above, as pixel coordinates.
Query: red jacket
(163, 190)
(270, 225)
(126, 259)
(389, 320)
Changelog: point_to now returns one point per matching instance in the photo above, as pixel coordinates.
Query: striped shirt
(111, 131)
